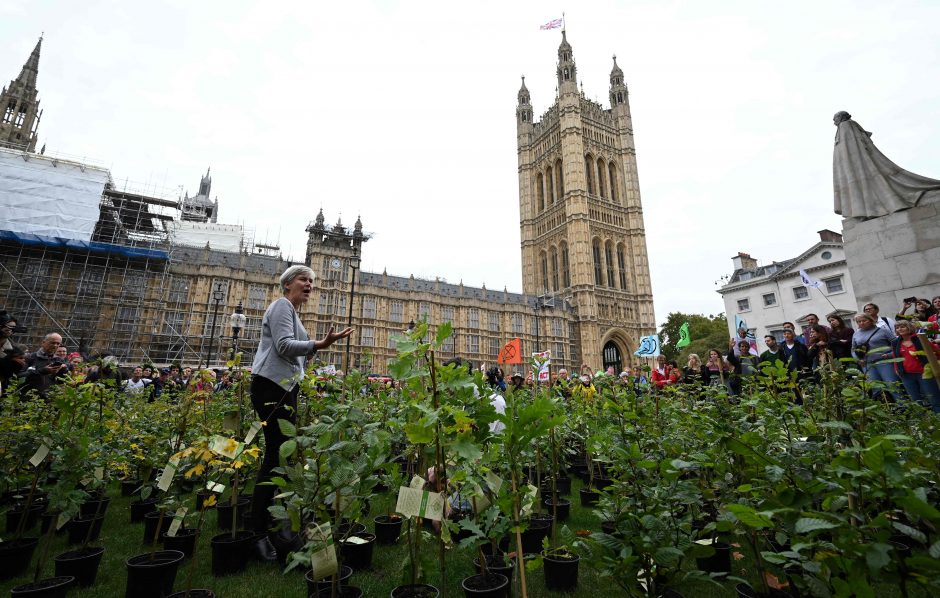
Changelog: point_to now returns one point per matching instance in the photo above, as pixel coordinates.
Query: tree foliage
(707, 332)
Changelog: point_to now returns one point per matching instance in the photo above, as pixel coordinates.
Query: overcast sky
(404, 112)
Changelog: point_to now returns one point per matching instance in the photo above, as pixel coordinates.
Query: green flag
(684, 338)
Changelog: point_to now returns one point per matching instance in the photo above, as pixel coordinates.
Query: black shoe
(264, 550)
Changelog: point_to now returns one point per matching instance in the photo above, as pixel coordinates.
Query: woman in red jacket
(911, 369)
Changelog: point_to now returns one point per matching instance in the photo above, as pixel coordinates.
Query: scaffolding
(114, 292)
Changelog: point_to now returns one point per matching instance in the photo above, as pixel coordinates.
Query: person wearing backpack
(871, 345)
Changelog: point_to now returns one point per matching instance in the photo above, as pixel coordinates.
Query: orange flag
(511, 353)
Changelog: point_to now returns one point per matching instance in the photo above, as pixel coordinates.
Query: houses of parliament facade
(146, 296)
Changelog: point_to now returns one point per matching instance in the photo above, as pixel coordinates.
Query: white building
(767, 296)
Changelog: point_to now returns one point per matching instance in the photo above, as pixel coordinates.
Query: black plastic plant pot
(201, 497)
(602, 483)
(230, 553)
(562, 510)
(152, 576)
(589, 498)
(52, 587)
(151, 520)
(344, 592)
(497, 564)
(50, 518)
(15, 556)
(139, 508)
(387, 529)
(562, 486)
(82, 564)
(532, 537)
(92, 507)
(491, 585)
(326, 582)
(672, 594)
(561, 572)
(746, 591)
(350, 529)
(184, 541)
(79, 527)
(129, 486)
(194, 593)
(32, 517)
(417, 590)
(356, 554)
(225, 511)
(720, 562)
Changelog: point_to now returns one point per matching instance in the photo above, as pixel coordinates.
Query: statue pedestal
(895, 256)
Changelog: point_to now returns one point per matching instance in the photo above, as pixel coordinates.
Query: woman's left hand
(332, 336)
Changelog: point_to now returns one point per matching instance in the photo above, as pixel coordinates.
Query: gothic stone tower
(581, 219)
(19, 108)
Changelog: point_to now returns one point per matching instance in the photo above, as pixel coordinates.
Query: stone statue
(866, 183)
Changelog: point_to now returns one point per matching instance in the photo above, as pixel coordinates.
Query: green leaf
(916, 506)
(910, 532)
(935, 550)
(874, 457)
(836, 425)
(816, 586)
(287, 449)
(443, 331)
(419, 434)
(287, 429)
(878, 556)
(749, 517)
(466, 449)
(804, 525)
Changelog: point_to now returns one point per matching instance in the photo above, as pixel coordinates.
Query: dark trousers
(271, 403)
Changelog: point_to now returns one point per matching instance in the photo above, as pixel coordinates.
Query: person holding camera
(871, 345)
(43, 367)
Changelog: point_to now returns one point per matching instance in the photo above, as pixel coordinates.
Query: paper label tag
(215, 487)
(322, 561)
(177, 521)
(420, 503)
(705, 541)
(417, 482)
(62, 520)
(227, 447)
(493, 481)
(356, 540)
(40, 455)
(529, 497)
(99, 473)
(479, 501)
(252, 432)
(166, 478)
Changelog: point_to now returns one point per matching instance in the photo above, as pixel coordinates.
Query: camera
(57, 361)
(910, 300)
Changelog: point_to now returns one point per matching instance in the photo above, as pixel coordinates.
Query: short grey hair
(293, 272)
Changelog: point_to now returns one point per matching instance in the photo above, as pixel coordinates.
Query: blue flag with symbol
(649, 346)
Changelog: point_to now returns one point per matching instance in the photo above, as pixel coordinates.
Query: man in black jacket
(42, 367)
(795, 354)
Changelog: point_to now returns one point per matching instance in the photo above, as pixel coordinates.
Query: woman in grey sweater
(277, 370)
(871, 345)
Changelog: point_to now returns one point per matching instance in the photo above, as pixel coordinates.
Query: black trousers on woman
(271, 403)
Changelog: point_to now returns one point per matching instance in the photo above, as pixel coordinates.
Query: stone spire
(567, 71)
(318, 223)
(357, 229)
(524, 108)
(19, 106)
(618, 90)
(205, 183)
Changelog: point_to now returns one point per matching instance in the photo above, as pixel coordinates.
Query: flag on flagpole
(809, 280)
(649, 346)
(511, 353)
(685, 339)
(741, 325)
(553, 24)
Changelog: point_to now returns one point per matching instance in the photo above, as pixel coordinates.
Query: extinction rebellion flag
(512, 353)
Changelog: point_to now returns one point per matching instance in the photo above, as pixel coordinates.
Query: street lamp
(217, 295)
(354, 264)
(237, 321)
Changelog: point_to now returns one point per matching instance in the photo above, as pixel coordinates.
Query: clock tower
(333, 251)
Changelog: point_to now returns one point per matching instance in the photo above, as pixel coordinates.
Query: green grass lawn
(123, 539)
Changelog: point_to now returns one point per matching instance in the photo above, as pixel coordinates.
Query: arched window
(622, 266)
(540, 191)
(609, 255)
(544, 259)
(597, 262)
(601, 175)
(559, 181)
(565, 273)
(612, 170)
(550, 181)
(589, 173)
(553, 253)
(611, 355)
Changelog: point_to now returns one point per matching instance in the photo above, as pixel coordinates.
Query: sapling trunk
(551, 437)
(520, 563)
(440, 473)
(192, 564)
(92, 526)
(44, 553)
(21, 526)
(234, 501)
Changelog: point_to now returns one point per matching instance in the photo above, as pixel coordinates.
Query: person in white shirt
(496, 399)
(135, 384)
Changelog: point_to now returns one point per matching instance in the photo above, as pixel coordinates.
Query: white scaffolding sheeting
(222, 237)
(49, 197)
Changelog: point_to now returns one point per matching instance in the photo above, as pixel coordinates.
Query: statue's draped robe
(866, 183)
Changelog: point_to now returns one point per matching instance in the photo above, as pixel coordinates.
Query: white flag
(809, 281)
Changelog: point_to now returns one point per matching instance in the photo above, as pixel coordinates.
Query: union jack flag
(553, 24)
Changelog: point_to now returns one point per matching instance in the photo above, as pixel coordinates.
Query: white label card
(322, 561)
(252, 432)
(493, 481)
(530, 495)
(166, 478)
(227, 447)
(420, 503)
(417, 482)
(479, 501)
(177, 521)
(62, 520)
(40, 455)
(99, 473)
(215, 487)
